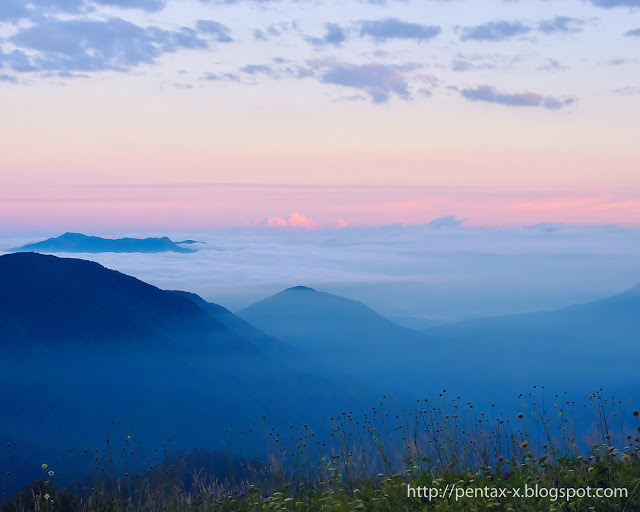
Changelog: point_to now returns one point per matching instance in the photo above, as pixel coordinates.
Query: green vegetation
(375, 461)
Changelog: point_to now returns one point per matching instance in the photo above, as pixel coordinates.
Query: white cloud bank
(440, 271)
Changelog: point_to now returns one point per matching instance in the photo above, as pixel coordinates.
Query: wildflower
(520, 416)
(46, 496)
(50, 473)
(524, 445)
(636, 413)
(44, 466)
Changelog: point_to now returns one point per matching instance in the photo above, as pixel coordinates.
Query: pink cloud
(531, 98)
(276, 222)
(295, 221)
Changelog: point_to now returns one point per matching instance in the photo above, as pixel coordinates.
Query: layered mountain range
(84, 348)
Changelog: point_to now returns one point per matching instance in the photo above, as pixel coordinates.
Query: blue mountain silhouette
(79, 243)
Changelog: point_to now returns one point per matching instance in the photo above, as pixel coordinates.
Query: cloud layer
(393, 28)
(378, 81)
(489, 94)
(92, 45)
(373, 50)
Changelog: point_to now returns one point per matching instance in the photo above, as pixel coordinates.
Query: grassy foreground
(441, 457)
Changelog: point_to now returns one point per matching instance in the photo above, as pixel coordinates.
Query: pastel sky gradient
(218, 113)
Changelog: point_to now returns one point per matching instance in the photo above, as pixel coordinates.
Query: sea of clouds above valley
(415, 275)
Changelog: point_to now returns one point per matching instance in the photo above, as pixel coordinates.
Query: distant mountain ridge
(597, 341)
(82, 345)
(600, 314)
(577, 347)
(79, 243)
(46, 299)
(237, 324)
(320, 322)
(344, 334)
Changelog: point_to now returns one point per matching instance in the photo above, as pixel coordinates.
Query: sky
(300, 114)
